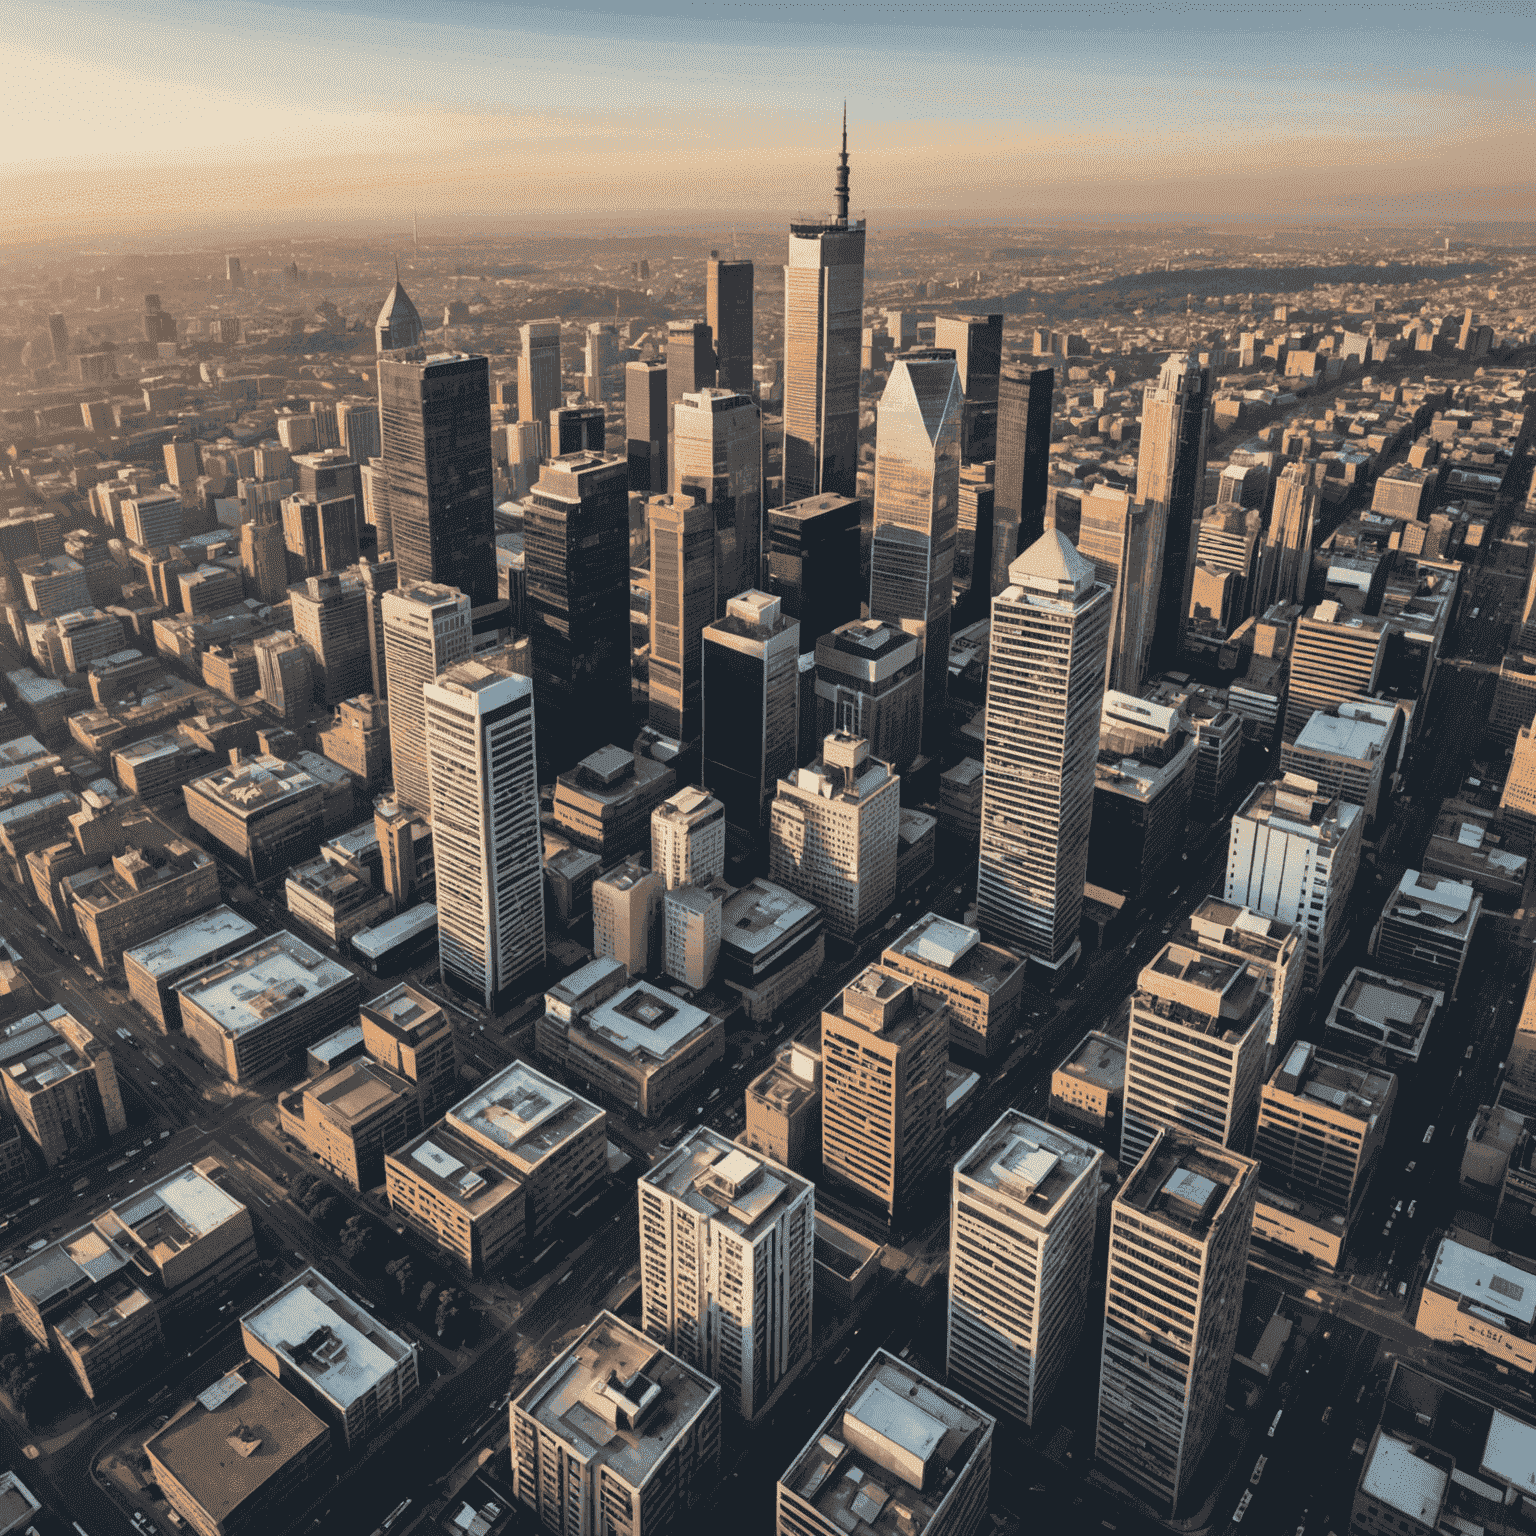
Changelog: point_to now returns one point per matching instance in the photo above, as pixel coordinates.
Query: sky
(144, 114)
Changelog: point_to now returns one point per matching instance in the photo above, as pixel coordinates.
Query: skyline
(1038, 114)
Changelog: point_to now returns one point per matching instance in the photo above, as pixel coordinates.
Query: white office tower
(1287, 555)
(1178, 1252)
(1021, 1224)
(717, 459)
(485, 827)
(727, 1266)
(1045, 688)
(426, 630)
(1195, 1055)
(688, 839)
(1292, 853)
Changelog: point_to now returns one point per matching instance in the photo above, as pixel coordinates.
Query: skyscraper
(58, 338)
(1021, 1222)
(682, 536)
(728, 309)
(690, 364)
(917, 498)
(1045, 685)
(601, 359)
(435, 424)
(1121, 536)
(357, 428)
(1178, 1253)
(330, 616)
(1023, 465)
(264, 560)
(977, 342)
(688, 838)
(576, 540)
(1170, 480)
(398, 324)
(378, 577)
(823, 332)
(813, 563)
(751, 708)
(576, 428)
(869, 683)
(426, 631)
(1288, 549)
(645, 426)
(481, 763)
(538, 377)
(717, 457)
(726, 1266)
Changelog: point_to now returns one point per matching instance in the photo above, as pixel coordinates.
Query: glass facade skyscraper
(1023, 465)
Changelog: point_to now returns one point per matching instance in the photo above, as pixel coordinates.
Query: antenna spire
(840, 192)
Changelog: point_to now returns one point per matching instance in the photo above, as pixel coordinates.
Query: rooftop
(36, 1051)
(1185, 1183)
(1398, 1476)
(1030, 1163)
(884, 1003)
(1294, 804)
(1489, 1287)
(1393, 1016)
(790, 1083)
(711, 1175)
(1446, 904)
(1229, 926)
(522, 1114)
(760, 914)
(262, 982)
(1343, 1085)
(382, 937)
(644, 1021)
(1336, 735)
(1098, 1059)
(958, 950)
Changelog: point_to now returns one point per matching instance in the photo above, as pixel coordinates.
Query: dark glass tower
(645, 426)
(435, 431)
(1023, 464)
(977, 341)
(813, 563)
(728, 309)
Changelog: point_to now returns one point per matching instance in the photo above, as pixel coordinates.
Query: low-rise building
(267, 813)
(153, 969)
(1483, 1301)
(1088, 1090)
(1426, 928)
(604, 803)
(772, 944)
(1381, 1020)
(783, 1109)
(333, 900)
(138, 893)
(60, 1083)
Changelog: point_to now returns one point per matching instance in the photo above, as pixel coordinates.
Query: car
(1429, 1135)
(1413, 1205)
(1275, 1423)
(1258, 1470)
(1242, 1506)
(1468, 1055)
(1402, 1289)
(1328, 1413)
(1397, 1208)
(1413, 1163)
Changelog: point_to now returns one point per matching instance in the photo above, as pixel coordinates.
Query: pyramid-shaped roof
(1052, 564)
(399, 324)
(927, 388)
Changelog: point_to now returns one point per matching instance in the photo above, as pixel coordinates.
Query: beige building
(682, 537)
(626, 917)
(1335, 655)
(426, 631)
(983, 985)
(783, 1109)
(153, 969)
(884, 1048)
(688, 838)
(1484, 1301)
(617, 1434)
(690, 920)
(1088, 1089)
(60, 1083)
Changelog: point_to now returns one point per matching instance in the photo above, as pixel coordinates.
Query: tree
(424, 1301)
(356, 1239)
(447, 1311)
(327, 1214)
(402, 1272)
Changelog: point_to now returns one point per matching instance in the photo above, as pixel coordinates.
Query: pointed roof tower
(1053, 567)
(398, 324)
(840, 191)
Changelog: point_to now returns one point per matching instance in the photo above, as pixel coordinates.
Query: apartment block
(690, 925)
(783, 1109)
(138, 893)
(1088, 1090)
(268, 813)
(60, 1083)
(983, 985)
(1350, 750)
(688, 839)
(1425, 930)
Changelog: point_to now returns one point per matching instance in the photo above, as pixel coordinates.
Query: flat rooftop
(887, 1456)
(714, 1177)
(1356, 740)
(36, 1055)
(1295, 805)
(1098, 1059)
(383, 937)
(250, 787)
(459, 1169)
(617, 1398)
(261, 983)
(1398, 1476)
(522, 1114)
(1185, 1183)
(1445, 904)
(356, 1090)
(761, 914)
(1030, 1163)
(223, 1446)
(321, 1333)
(782, 1089)
(1229, 926)
(1389, 1014)
(1347, 1086)
(1489, 1287)
(952, 947)
(643, 1021)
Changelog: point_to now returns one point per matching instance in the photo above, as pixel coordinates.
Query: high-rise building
(1023, 465)
(646, 419)
(58, 337)
(813, 563)
(319, 536)
(717, 458)
(884, 1046)
(690, 368)
(576, 428)
(601, 359)
(1022, 1210)
(917, 496)
(435, 423)
(751, 708)
(232, 273)
(682, 538)
(426, 631)
(823, 330)
(287, 681)
(974, 536)
(479, 745)
(1121, 537)
(1045, 685)
(538, 377)
(688, 839)
(1425, 930)
(977, 342)
(576, 539)
(1293, 853)
(626, 913)
(330, 616)
(1178, 1254)
(727, 1267)
(1335, 655)
(1195, 1053)
(728, 289)
(357, 429)
(378, 577)
(1170, 481)
(983, 985)
(1226, 562)
(264, 560)
(1287, 555)
(833, 835)
(398, 324)
(869, 683)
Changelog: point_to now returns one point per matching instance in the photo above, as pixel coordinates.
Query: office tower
(726, 1266)
(884, 1045)
(917, 496)
(58, 337)
(1335, 655)
(479, 746)
(1022, 1209)
(297, 432)
(975, 535)
(728, 309)
(690, 366)
(331, 617)
(357, 427)
(1123, 539)
(538, 377)
(1349, 749)
(1425, 930)
(717, 458)
(823, 328)
(832, 834)
(615, 1423)
(320, 537)
(1323, 1120)
(898, 1449)
(327, 432)
(646, 426)
(869, 683)
(688, 839)
(977, 342)
(1178, 1252)
(181, 463)
(232, 273)
(682, 537)
(1195, 1053)
(983, 985)
(813, 562)
(1288, 550)
(1023, 464)
(264, 561)
(1045, 684)
(626, 917)
(378, 577)
(575, 429)
(153, 520)
(435, 419)
(1293, 853)
(287, 679)
(576, 540)
(398, 324)
(1170, 482)
(1226, 546)
(751, 708)
(600, 361)
(426, 631)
